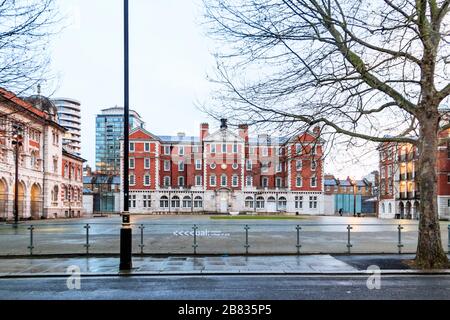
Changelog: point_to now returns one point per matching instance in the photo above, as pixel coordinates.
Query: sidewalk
(223, 265)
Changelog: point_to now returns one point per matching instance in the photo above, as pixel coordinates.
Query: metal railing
(212, 238)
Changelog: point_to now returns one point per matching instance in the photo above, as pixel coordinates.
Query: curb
(215, 273)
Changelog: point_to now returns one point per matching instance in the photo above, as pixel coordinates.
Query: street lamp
(125, 231)
(17, 143)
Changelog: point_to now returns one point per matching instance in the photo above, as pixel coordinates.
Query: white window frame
(279, 167)
(278, 182)
(213, 148)
(198, 164)
(235, 180)
(298, 148)
(265, 185)
(131, 147)
(181, 166)
(213, 180)
(166, 165)
(181, 150)
(297, 166)
(132, 179)
(166, 179)
(235, 148)
(147, 146)
(301, 181)
(145, 182)
(247, 180)
(224, 148)
(147, 161)
(131, 163)
(235, 166)
(198, 180)
(181, 178)
(167, 150)
(222, 184)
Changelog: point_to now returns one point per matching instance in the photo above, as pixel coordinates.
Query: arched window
(223, 180)
(66, 193)
(282, 203)
(175, 202)
(383, 209)
(248, 181)
(187, 202)
(66, 171)
(198, 202)
(260, 203)
(271, 199)
(33, 160)
(389, 208)
(249, 202)
(181, 181)
(164, 202)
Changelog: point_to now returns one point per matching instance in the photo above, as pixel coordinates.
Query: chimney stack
(243, 132)
(204, 130)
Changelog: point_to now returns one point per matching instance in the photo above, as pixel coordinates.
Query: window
(235, 181)
(166, 150)
(298, 181)
(55, 193)
(383, 209)
(166, 165)
(313, 182)
(198, 202)
(181, 166)
(264, 167)
(198, 164)
(131, 146)
(55, 165)
(132, 179)
(198, 181)
(248, 181)
(448, 178)
(212, 180)
(224, 148)
(175, 202)
(164, 202)
(298, 165)
(146, 180)
(249, 202)
(235, 148)
(313, 202)
(264, 151)
(313, 149)
(212, 165)
(181, 150)
(278, 182)
(248, 164)
(282, 203)
(132, 201)
(181, 181)
(260, 203)
(213, 148)
(131, 162)
(146, 147)
(146, 201)
(187, 202)
(298, 148)
(265, 182)
(280, 151)
(279, 167)
(147, 163)
(234, 165)
(298, 202)
(313, 165)
(166, 181)
(390, 208)
(223, 180)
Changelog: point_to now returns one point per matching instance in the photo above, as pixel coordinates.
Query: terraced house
(225, 171)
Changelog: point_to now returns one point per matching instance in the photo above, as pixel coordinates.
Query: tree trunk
(430, 253)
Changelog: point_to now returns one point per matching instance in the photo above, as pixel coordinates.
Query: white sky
(169, 59)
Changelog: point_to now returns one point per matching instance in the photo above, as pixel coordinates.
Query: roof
(330, 182)
(73, 156)
(179, 139)
(20, 102)
(264, 139)
(345, 183)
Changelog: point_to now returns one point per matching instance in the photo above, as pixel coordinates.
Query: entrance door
(223, 202)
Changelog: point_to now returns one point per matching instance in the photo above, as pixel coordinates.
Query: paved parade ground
(221, 235)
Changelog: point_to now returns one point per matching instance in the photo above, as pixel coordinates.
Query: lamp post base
(125, 248)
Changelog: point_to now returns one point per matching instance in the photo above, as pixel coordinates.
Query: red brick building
(225, 171)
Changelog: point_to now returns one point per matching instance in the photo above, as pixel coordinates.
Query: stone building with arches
(50, 178)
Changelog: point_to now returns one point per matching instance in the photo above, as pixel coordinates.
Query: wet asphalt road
(228, 288)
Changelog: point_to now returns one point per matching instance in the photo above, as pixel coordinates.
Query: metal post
(298, 239)
(31, 247)
(126, 231)
(195, 238)
(400, 245)
(142, 227)
(349, 245)
(246, 238)
(87, 227)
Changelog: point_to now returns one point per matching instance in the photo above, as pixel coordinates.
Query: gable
(142, 134)
(223, 135)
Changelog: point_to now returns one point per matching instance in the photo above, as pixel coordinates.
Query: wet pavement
(175, 235)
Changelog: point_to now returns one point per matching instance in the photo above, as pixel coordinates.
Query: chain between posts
(349, 245)
(141, 245)
(400, 245)
(246, 238)
(31, 246)
(298, 238)
(195, 238)
(87, 245)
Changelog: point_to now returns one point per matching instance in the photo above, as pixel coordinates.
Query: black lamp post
(17, 143)
(125, 231)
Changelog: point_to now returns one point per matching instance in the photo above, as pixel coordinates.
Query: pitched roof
(22, 103)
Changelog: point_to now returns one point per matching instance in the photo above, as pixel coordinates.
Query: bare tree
(25, 28)
(374, 70)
